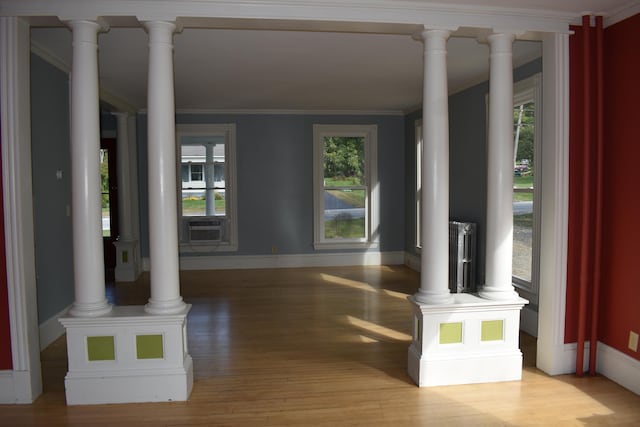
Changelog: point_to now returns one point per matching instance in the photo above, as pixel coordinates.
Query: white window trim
(370, 133)
(228, 131)
(530, 89)
(418, 183)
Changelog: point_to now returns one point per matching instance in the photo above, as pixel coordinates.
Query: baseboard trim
(51, 329)
(16, 388)
(619, 367)
(7, 392)
(412, 261)
(228, 262)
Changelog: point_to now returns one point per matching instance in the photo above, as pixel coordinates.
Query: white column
(163, 222)
(434, 276)
(124, 177)
(209, 177)
(499, 249)
(88, 251)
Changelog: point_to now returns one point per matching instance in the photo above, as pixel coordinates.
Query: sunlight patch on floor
(508, 395)
(396, 294)
(363, 286)
(378, 329)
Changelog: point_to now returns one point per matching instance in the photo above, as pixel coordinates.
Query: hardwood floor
(321, 347)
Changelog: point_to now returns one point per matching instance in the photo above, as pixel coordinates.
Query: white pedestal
(127, 264)
(128, 356)
(472, 340)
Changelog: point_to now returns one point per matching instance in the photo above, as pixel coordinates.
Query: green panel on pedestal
(492, 330)
(451, 333)
(101, 348)
(149, 347)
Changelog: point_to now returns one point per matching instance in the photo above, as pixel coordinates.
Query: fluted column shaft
(163, 222)
(434, 276)
(499, 249)
(88, 261)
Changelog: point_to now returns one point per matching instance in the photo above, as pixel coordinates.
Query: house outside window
(345, 186)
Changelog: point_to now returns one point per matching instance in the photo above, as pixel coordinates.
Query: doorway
(109, 200)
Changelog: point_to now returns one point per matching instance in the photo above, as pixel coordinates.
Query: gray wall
(275, 179)
(467, 157)
(51, 196)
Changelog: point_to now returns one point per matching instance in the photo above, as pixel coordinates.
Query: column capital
(433, 33)
(499, 34)
(86, 26)
(157, 24)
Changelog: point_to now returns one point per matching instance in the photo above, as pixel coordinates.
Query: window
(345, 186)
(207, 187)
(525, 189)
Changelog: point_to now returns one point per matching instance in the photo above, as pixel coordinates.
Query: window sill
(208, 247)
(344, 245)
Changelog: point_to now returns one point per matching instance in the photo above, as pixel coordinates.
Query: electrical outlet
(274, 249)
(633, 341)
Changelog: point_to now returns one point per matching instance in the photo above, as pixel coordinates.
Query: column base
(127, 263)
(165, 307)
(471, 340)
(498, 294)
(90, 310)
(128, 356)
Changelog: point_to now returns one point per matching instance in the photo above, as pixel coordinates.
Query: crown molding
(106, 95)
(300, 112)
(622, 13)
(355, 11)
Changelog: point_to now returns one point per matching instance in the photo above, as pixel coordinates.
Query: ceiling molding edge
(298, 112)
(106, 95)
(357, 11)
(622, 13)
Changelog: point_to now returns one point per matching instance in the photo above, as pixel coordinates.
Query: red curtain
(585, 188)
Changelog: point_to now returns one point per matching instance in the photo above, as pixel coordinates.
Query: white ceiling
(257, 69)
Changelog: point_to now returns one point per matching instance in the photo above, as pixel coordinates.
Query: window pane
(221, 208)
(104, 187)
(193, 203)
(196, 173)
(344, 161)
(184, 171)
(523, 116)
(344, 214)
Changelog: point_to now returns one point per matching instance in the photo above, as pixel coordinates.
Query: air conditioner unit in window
(203, 230)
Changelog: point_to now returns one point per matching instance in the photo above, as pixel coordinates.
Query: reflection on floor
(321, 347)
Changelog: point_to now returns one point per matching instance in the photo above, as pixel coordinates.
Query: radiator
(462, 254)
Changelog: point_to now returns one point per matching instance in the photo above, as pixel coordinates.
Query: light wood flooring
(321, 347)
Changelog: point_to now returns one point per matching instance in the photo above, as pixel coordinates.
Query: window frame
(228, 132)
(370, 134)
(419, 141)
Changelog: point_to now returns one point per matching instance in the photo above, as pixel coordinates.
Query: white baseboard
(563, 359)
(412, 261)
(619, 367)
(16, 387)
(168, 385)
(7, 392)
(51, 329)
(226, 262)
